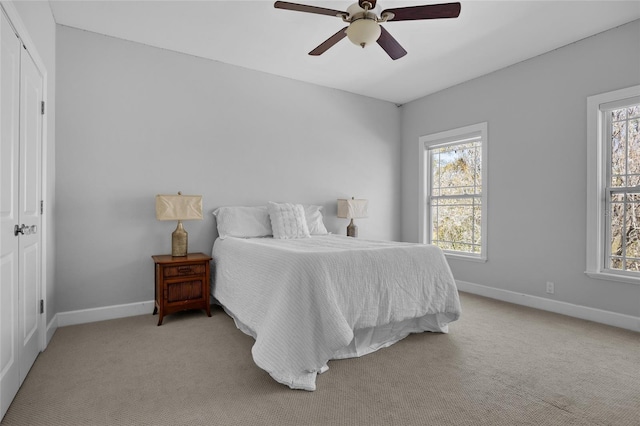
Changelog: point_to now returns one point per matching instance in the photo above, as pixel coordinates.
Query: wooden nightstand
(181, 283)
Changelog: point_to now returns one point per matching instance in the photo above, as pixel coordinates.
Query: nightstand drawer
(183, 270)
(184, 291)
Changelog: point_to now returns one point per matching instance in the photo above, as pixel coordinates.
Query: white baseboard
(628, 322)
(104, 313)
(51, 329)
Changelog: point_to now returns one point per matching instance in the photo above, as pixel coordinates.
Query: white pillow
(243, 222)
(288, 220)
(313, 215)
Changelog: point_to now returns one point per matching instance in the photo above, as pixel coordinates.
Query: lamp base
(179, 239)
(352, 229)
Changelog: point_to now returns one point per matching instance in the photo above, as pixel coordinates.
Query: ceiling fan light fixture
(363, 32)
(364, 18)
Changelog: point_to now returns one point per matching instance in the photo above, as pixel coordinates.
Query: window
(453, 208)
(613, 198)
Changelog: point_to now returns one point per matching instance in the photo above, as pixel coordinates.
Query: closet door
(29, 211)
(9, 253)
(21, 87)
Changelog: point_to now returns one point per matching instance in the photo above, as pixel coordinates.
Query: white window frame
(424, 214)
(597, 172)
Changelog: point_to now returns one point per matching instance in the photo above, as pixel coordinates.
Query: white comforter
(309, 300)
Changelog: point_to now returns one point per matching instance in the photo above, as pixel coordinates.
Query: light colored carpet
(500, 364)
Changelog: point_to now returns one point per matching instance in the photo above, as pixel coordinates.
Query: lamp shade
(178, 207)
(353, 209)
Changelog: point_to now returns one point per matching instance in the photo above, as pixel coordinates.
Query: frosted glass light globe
(363, 32)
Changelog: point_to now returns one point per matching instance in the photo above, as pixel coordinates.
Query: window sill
(457, 256)
(613, 277)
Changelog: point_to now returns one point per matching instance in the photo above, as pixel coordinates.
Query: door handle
(24, 229)
(19, 229)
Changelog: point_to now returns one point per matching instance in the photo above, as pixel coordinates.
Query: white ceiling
(487, 36)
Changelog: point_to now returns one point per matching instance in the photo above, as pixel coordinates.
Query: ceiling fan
(364, 25)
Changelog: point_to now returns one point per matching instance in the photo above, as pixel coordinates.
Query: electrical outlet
(550, 287)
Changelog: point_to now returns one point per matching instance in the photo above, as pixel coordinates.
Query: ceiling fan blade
(390, 45)
(430, 11)
(309, 9)
(329, 42)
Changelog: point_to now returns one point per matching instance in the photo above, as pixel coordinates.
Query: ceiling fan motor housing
(367, 4)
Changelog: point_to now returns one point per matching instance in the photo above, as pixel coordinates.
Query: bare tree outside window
(623, 194)
(456, 196)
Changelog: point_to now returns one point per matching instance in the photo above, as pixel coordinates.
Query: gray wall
(135, 121)
(536, 114)
(38, 21)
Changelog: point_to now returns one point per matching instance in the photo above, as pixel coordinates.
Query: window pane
(435, 173)
(615, 263)
(633, 153)
(444, 245)
(625, 231)
(455, 224)
(633, 265)
(456, 169)
(619, 114)
(477, 219)
(632, 231)
(458, 201)
(616, 214)
(618, 153)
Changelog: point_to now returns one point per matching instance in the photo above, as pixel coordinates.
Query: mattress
(309, 300)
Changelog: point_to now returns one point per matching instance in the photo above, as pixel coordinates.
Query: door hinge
(42, 107)
(41, 306)
(41, 206)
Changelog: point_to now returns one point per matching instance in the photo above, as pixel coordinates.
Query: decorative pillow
(243, 222)
(288, 220)
(313, 215)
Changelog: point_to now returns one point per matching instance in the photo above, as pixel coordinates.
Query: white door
(29, 211)
(9, 160)
(21, 87)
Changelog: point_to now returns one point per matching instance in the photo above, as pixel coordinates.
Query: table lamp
(179, 207)
(353, 209)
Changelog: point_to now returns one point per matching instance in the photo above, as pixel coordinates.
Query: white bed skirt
(365, 341)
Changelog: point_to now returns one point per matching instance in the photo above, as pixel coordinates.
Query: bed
(310, 299)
